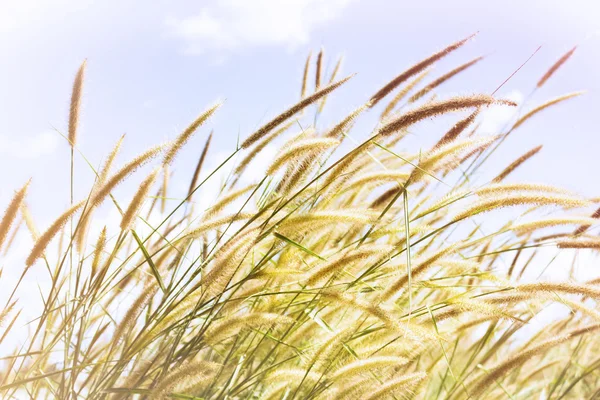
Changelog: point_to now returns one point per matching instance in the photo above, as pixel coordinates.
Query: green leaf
(150, 262)
(298, 245)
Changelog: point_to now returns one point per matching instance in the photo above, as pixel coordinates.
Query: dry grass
(372, 272)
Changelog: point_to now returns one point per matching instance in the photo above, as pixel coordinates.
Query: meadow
(355, 268)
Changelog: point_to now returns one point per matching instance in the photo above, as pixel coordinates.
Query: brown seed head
(437, 82)
(438, 108)
(305, 76)
(75, 104)
(555, 67)
(319, 72)
(281, 118)
(11, 212)
(415, 69)
(515, 164)
(199, 167)
(184, 136)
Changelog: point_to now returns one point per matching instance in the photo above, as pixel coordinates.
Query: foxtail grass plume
(415, 69)
(402, 93)
(339, 174)
(128, 169)
(134, 312)
(338, 131)
(98, 250)
(377, 178)
(199, 165)
(583, 228)
(537, 224)
(224, 201)
(305, 76)
(515, 164)
(332, 78)
(520, 199)
(13, 235)
(340, 216)
(560, 287)
(544, 106)
(290, 112)
(450, 153)
(33, 231)
(494, 373)
(110, 159)
(11, 212)
(101, 178)
(138, 200)
(164, 188)
(420, 267)
(215, 223)
(438, 108)
(76, 104)
(457, 129)
(580, 243)
(322, 353)
(302, 148)
(506, 188)
(5, 312)
(361, 366)
(227, 260)
(261, 146)
(184, 136)
(362, 254)
(555, 67)
(188, 374)
(447, 76)
(402, 386)
(231, 326)
(319, 69)
(43, 241)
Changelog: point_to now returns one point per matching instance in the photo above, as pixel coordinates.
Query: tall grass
(347, 272)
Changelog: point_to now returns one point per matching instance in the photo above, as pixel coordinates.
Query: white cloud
(28, 147)
(496, 117)
(226, 25)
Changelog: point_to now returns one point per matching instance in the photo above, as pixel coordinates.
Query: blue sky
(153, 66)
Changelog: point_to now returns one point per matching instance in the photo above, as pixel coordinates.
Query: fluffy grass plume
(76, 104)
(290, 112)
(515, 164)
(435, 109)
(447, 76)
(402, 93)
(555, 67)
(11, 212)
(43, 241)
(415, 69)
(138, 199)
(319, 69)
(356, 266)
(182, 139)
(305, 76)
(196, 175)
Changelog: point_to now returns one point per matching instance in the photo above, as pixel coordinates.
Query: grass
(371, 272)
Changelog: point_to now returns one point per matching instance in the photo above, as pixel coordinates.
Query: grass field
(354, 268)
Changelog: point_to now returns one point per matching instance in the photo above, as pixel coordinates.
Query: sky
(153, 66)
